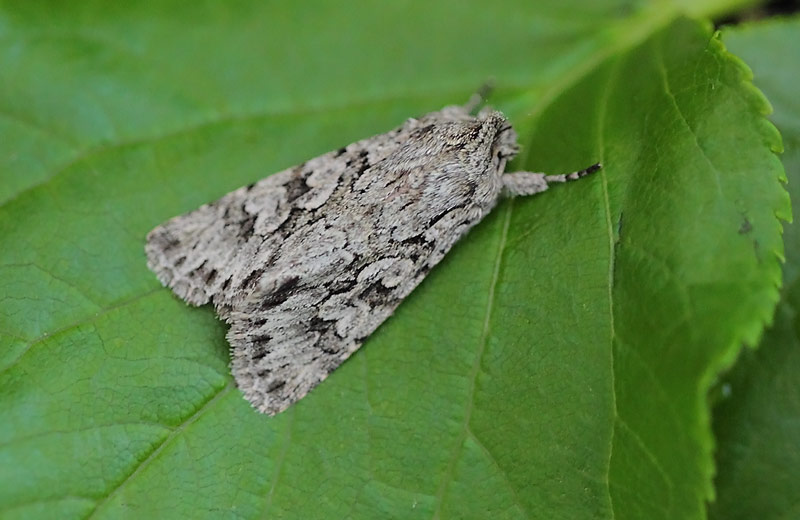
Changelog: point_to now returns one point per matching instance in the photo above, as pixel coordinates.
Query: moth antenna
(527, 183)
(574, 175)
(479, 97)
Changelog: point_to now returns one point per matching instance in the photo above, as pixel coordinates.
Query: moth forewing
(305, 264)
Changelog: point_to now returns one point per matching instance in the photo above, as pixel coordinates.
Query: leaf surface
(554, 365)
(756, 418)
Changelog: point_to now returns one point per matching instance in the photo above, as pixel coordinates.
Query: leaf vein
(282, 457)
(612, 244)
(158, 449)
(500, 470)
(74, 325)
(482, 342)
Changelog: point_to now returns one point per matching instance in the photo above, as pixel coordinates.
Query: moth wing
(338, 276)
(285, 341)
(300, 303)
(202, 255)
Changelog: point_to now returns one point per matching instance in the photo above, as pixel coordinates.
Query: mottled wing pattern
(307, 263)
(207, 253)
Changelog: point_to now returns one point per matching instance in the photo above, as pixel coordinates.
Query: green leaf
(555, 364)
(756, 423)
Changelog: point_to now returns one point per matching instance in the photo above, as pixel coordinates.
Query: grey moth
(305, 264)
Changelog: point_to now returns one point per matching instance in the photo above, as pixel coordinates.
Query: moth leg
(527, 183)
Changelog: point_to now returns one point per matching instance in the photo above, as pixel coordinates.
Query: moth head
(504, 139)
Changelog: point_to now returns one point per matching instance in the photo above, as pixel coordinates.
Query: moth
(305, 264)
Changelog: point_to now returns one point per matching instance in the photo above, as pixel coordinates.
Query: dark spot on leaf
(746, 227)
(757, 250)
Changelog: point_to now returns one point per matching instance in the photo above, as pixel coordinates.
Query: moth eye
(505, 151)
